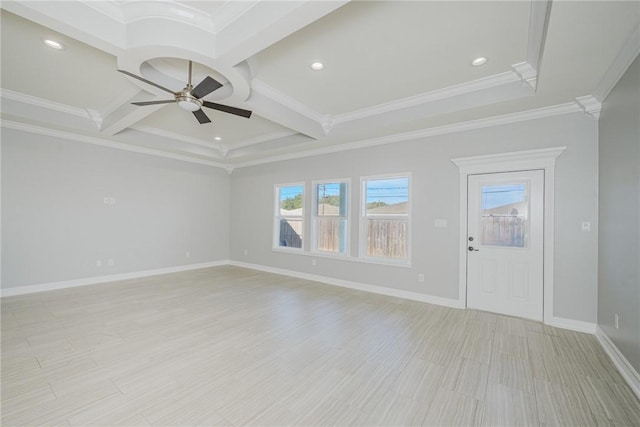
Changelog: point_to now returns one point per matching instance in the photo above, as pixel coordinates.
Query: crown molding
(223, 149)
(539, 113)
(629, 52)
(177, 137)
(527, 74)
(521, 72)
(590, 105)
(85, 113)
(69, 136)
(424, 98)
(261, 138)
(561, 109)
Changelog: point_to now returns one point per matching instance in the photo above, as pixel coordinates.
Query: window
(331, 217)
(289, 215)
(385, 218)
(505, 215)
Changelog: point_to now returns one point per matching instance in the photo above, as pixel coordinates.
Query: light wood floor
(229, 346)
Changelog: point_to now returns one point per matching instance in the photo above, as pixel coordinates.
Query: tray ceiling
(393, 70)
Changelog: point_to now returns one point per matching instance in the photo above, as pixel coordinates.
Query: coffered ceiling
(393, 70)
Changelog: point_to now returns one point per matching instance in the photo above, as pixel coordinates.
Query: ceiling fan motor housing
(188, 102)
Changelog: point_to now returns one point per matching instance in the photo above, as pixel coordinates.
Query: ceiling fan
(190, 98)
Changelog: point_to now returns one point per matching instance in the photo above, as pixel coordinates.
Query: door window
(504, 216)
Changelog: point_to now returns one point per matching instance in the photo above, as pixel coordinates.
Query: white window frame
(363, 221)
(277, 216)
(314, 218)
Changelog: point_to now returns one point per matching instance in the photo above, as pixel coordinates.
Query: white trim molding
(488, 122)
(431, 97)
(163, 133)
(510, 162)
(590, 105)
(97, 280)
(85, 113)
(527, 74)
(571, 324)
(39, 130)
(628, 372)
(623, 60)
(381, 290)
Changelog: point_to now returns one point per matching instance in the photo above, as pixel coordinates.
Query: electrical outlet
(586, 226)
(98, 263)
(110, 262)
(246, 252)
(314, 262)
(420, 277)
(616, 321)
(187, 254)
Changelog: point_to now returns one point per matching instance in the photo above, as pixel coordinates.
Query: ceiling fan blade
(228, 109)
(168, 101)
(201, 116)
(205, 87)
(147, 81)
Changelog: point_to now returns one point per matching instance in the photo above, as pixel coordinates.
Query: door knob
(471, 249)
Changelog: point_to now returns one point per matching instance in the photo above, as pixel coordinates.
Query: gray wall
(619, 211)
(435, 195)
(55, 225)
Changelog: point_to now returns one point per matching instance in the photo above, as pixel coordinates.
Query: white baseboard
(573, 325)
(43, 287)
(415, 296)
(625, 368)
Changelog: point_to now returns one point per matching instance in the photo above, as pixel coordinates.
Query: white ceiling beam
(538, 23)
(76, 20)
(273, 105)
(621, 63)
(266, 23)
(126, 116)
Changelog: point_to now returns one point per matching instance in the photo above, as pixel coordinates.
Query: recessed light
(217, 138)
(479, 61)
(53, 44)
(317, 66)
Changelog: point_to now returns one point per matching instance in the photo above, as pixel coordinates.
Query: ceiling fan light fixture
(187, 101)
(479, 61)
(188, 105)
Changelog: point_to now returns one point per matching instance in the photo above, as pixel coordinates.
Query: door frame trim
(512, 162)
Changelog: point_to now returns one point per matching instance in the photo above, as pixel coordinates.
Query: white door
(505, 243)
